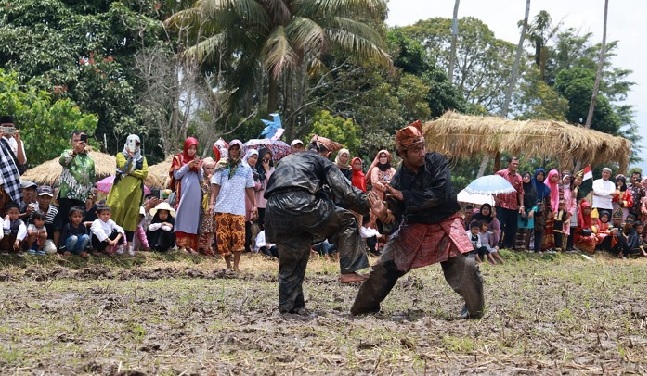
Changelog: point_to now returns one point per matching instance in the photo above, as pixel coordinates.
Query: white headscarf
(132, 139)
(249, 154)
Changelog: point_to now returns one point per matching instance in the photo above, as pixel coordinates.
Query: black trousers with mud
(293, 222)
(461, 273)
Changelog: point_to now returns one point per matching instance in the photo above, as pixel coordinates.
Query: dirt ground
(186, 315)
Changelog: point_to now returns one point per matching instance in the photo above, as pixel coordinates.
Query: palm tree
(452, 51)
(598, 76)
(252, 39)
(508, 93)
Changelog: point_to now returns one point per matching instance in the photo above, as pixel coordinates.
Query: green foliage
(46, 124)
(83, 51)
(483, 62)
(338, 129)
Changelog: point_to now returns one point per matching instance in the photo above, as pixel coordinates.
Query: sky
(626, 23)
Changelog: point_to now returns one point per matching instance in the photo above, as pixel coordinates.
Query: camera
(84, 138)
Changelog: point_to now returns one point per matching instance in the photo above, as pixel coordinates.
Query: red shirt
(510, 200)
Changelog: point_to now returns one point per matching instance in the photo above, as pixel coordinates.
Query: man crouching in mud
(425, 210)
(299, 213)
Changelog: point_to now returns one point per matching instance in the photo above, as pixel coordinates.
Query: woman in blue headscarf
(543, 207)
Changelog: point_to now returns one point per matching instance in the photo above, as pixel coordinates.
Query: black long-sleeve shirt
(428, 193)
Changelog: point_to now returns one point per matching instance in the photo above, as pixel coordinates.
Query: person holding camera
(10, 189)
(76, 180)
(127, 191)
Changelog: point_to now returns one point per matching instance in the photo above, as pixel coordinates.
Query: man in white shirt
(603, 190)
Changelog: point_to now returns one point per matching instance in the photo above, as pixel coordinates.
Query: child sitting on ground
(106, 234)
(15, 230)
(260, 245)
(486, 240)
(74, 237)
(160, 233)
(36, 235)
(141, 240)
(369, 235)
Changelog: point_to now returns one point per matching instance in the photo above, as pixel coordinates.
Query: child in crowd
(160, 233)
(205, 245)
(106, 234)
(36, 235)
(260, 245)
(15, 230)
(74, 237)
(558, 225)
(486, 238)
(141, 240)
(369, 235)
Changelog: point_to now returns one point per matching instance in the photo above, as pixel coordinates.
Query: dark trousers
(539, 236)
(248, 235)
(461, 273)
(508, 220)
(102, 245)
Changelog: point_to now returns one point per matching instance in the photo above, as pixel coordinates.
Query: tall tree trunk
(598, 76)
(272, 94)
(508, 93)
(452, 52)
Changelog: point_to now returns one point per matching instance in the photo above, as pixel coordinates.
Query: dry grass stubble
(174, 314)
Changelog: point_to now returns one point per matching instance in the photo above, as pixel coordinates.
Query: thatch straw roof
(158, 174)
(48, 172)
(463, 136)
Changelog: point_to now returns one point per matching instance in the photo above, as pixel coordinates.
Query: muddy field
(179, 315)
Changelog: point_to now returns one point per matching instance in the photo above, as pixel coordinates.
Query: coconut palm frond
(278, 52)
(307, 35)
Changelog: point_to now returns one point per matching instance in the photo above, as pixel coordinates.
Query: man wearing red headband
(423, 206)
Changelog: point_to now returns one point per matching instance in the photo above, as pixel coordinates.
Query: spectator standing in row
(76, 180)
(296, 146)
(265, 169)
(602, 191)
(509, 205)
(127, 191)
(187, 174)
(9, 172)
(342, 161)
(229, 186)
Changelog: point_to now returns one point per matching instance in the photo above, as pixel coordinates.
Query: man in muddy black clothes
(299, 213)
(423, 207)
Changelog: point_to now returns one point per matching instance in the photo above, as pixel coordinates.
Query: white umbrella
(475, 198)
(490, 184)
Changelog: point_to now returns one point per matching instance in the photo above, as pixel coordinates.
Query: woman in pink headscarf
(379, 174)
(187, 173)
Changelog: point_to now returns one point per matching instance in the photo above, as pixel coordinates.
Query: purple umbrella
(278, 148)
(104, 185)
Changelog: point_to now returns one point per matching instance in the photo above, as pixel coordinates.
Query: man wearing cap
(299, 213)
(9, 162)
(602, 191)
(28, 198)
(423, 206)
(229, 186)
(296, 146)
(43, 204)
(75, 182)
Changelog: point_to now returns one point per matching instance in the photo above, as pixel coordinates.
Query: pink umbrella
(104, 185)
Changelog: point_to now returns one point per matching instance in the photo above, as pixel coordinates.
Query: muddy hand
(394, 192)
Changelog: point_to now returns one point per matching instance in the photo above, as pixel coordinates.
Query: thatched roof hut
(463, 136)
(48, 172)
(158, 173)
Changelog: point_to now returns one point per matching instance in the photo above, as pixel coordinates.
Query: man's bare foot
(352, 277)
